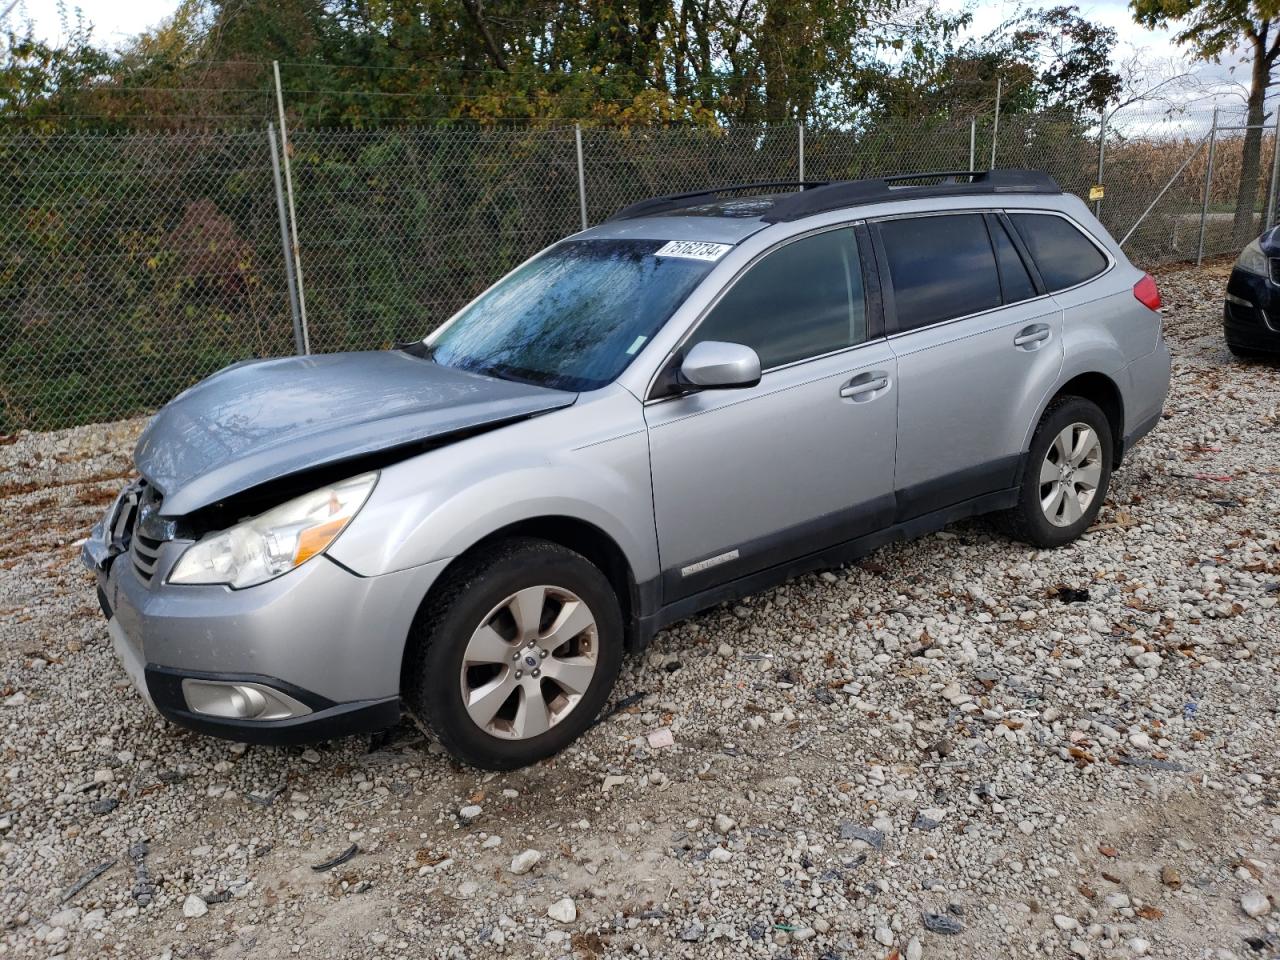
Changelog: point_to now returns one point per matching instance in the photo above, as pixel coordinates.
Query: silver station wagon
(699, 398)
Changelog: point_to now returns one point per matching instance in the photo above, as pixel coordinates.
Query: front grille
(146, 553)
(149, 533)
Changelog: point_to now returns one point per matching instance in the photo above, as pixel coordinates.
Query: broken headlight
(263, 547)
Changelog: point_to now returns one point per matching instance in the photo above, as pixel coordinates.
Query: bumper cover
(327, 638)
(1256, 326)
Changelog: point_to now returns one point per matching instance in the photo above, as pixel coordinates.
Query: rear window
(941, 267)
(1063, 254)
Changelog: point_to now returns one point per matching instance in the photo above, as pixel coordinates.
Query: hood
(264, 420)
(1270, 242)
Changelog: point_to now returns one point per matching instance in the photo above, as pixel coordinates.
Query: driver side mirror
(716, 365)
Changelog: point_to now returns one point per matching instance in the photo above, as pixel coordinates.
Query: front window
(573, 317)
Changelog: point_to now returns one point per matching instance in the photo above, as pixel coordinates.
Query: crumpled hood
(263, 420)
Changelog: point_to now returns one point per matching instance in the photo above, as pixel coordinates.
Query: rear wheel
(1067, 474)
(514, 655)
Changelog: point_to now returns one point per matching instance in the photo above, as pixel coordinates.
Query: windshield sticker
(694, 250)
(639, 342)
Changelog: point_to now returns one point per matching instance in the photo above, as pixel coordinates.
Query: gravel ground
(960, 747)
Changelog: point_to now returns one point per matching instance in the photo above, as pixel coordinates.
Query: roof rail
(676, 201)
(820, 196)
(937, 183)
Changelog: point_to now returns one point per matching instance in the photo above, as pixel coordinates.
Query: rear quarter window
(1064, 255)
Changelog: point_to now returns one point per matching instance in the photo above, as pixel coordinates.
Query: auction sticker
(693, 250)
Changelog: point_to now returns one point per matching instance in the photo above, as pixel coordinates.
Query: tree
(1214, 27)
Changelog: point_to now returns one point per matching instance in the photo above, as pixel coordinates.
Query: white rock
(725, 824)
(884, 935)
(469, 813)
(914, 950)
(1139, 947)
(1063, 922)
(65, 918)
(720, 855)
(1255, 904)
(563, 911)
(523, 862)
(193, 907)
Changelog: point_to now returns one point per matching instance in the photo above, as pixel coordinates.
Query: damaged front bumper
(312, 655)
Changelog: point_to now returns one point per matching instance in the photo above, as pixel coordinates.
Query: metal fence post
(995, 125)
(800, 133)
(1275, 173)
(285, 246)
(582, 175)
(973, 141)
(1208, 186)
(293, 213)
(1102, 154)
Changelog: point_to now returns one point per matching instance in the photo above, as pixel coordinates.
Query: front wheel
(1067, 473)
(514, 654)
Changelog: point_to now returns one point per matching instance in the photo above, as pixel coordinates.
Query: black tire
(1027, 520)
(1244, 353)
(456, 607)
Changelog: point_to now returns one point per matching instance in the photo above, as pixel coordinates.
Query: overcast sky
(114, 21)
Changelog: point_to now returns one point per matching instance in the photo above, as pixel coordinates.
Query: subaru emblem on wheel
(702, 396)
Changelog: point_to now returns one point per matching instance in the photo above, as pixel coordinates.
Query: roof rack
(820, 196)
(677, 201)
(908, 186)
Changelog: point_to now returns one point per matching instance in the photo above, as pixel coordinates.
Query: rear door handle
(865, 386)
(1030, 337)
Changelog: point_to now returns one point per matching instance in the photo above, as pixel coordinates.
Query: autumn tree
(1212, 28)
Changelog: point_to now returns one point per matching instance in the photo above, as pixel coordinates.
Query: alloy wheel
(1070, 474)
(528, 664)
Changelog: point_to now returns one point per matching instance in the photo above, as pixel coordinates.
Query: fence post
(1102, 154)
(973, 141)
(582, 175)
(1275, 172)
(284, 240)
(995, 125)
(293, 213)
(1208, 186)
(800, 133)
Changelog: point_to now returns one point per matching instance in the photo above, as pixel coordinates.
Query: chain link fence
(133, 265)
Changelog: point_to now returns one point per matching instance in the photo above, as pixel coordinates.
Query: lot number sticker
(693, 250)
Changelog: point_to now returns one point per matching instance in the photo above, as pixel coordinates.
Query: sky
(115, 21)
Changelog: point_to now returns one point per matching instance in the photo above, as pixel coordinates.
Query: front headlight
(1253, 260)
(284, 537)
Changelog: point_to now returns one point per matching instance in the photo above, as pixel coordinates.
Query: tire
(1244, 353)
(1064, 519)
(468, 644)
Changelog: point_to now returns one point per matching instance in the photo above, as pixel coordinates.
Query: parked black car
(1251, 314)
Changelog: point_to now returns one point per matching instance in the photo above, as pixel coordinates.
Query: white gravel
(932, 754)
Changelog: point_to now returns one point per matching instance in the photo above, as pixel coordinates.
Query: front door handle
(865, 386)
(1029, 338)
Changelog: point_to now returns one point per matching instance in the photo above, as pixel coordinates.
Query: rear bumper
(1148, 389)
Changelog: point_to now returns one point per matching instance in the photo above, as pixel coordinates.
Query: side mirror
(715, 365)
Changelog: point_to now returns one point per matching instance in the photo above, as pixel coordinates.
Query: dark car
(1251, 314)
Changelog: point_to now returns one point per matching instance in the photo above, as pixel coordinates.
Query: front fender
(438, 505)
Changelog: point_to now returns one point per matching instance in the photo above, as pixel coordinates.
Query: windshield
(573, 317)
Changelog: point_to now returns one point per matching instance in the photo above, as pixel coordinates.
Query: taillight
(1147, 292)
